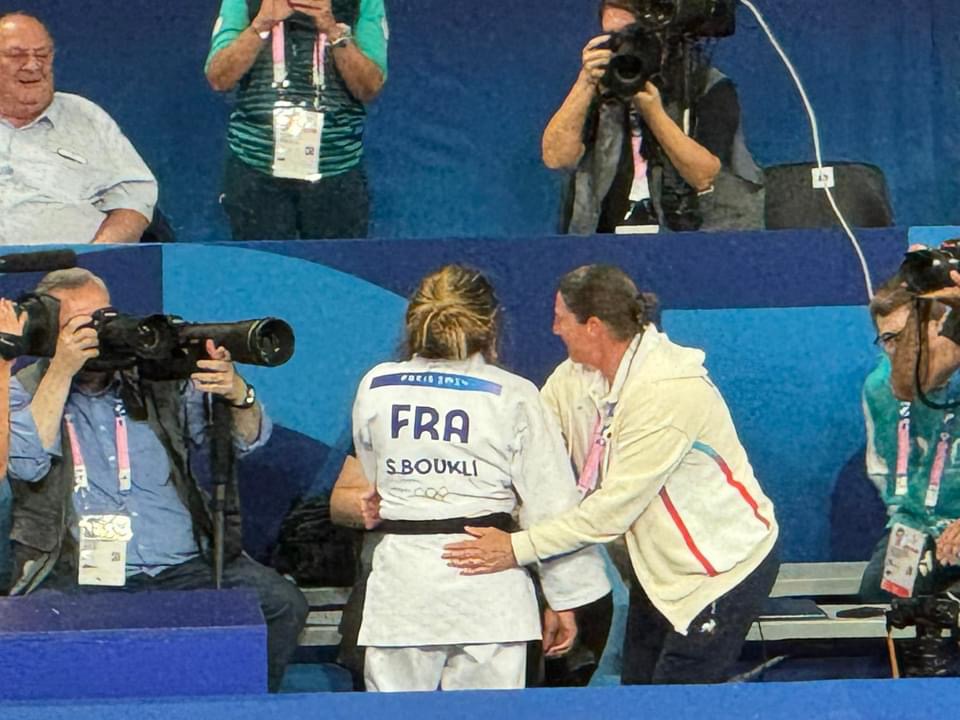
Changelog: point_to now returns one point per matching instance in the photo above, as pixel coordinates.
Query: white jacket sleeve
(544, 482)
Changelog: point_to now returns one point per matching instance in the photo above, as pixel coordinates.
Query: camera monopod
(222, 471)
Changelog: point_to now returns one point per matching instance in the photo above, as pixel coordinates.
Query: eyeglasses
(21, 57)
(888, 338)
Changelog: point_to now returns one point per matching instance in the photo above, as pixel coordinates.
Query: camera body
(640, 49)
(637, 58)
(928, 270)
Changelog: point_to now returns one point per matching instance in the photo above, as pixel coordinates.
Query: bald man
(67, 172)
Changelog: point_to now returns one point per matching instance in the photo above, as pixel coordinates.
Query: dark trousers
(350, 655)
(577, 667)
(262, 207)
(283, 605)
(653, 652)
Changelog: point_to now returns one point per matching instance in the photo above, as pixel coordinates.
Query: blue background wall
(780, 316)
(454, 140)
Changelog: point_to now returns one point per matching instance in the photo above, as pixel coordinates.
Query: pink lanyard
(124, 475)
(639, 162)
(939, 458)
(280, 78)
(590, 474)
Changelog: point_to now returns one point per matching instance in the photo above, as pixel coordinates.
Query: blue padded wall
(780, 315)
(454, 140)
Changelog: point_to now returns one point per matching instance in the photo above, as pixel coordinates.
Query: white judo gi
(447, 439)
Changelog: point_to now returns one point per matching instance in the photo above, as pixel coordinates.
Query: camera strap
(939, 459)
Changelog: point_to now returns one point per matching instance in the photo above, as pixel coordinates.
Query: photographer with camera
(11, 327)
(912, 443)
(652, 130)
(104, 497)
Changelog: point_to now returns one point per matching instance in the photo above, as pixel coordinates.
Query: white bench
(326, 607)
(839, 580)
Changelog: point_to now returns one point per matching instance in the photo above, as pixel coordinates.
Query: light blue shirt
(162, 528)
(61, 174)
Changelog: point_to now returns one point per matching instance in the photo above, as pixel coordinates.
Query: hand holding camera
(218, 374)
(77, 343)
(648, 100)
(319, 10)
(271, 13)
(11, 326)
(595, 57)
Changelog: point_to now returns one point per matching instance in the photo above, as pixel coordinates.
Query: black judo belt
(446, 526)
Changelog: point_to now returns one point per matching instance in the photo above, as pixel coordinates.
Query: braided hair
(452, 315)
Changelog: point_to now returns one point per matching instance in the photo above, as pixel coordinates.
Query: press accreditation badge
(297, 132)
(103, 549)
(902, 561)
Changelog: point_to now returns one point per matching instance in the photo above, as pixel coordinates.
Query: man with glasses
(913, 449)
(67, 172)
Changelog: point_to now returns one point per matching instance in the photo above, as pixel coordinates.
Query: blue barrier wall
(849, 700)
(780, 315)
(454, 141)
(125, 645)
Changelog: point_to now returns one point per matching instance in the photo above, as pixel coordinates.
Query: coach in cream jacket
(675, 479)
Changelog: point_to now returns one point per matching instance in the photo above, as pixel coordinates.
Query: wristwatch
(346, 36)
(249, 399)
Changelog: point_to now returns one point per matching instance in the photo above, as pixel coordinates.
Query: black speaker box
(860, 192)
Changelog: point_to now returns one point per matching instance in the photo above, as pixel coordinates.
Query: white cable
(816, 142)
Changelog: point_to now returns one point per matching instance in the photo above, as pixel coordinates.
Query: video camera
(640, 49)
(928, 270)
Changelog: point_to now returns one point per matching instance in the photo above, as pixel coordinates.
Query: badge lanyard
(587, 482)
(281, 79)
(590, 474)
(81, 482)
(939, 458)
